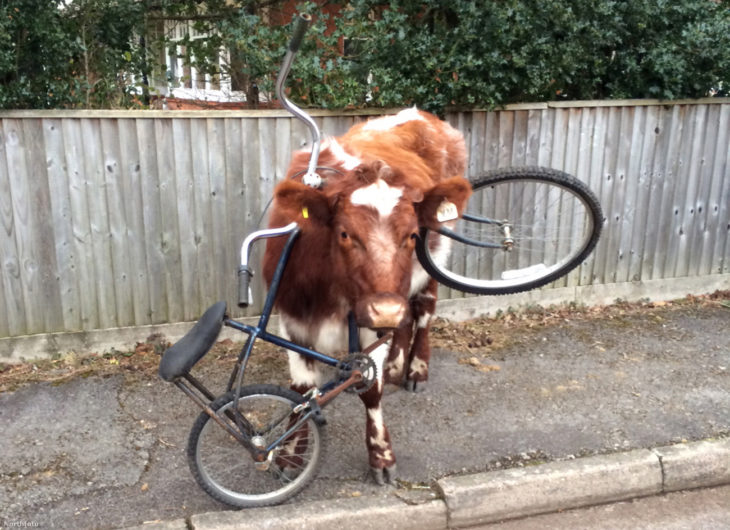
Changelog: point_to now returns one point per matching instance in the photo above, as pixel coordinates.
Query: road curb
(364, 513)
(493, 496)
(695, 465)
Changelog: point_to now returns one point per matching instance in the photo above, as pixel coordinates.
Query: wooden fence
(112, 219)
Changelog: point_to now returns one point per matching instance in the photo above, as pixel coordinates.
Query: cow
(383, 179)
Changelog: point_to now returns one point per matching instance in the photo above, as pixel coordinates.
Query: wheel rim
(551, 225)
(227, 470)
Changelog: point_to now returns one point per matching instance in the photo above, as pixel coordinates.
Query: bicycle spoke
(227, 471)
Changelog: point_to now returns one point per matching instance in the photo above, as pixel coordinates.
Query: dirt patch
(483, 339)
(480, 343)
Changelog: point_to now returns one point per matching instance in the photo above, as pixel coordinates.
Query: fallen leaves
(475, 363)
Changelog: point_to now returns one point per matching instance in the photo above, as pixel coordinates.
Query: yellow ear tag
(305, 212)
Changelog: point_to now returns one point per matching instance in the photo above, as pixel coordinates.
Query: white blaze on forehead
(378, 195)
(389, 122)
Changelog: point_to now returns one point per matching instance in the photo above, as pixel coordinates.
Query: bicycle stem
(311, 178)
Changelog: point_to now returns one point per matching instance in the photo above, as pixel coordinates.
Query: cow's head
(371, 219)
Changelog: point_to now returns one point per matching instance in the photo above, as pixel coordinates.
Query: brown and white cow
(385, 178)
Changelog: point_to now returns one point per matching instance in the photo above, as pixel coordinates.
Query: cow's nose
(382, 311)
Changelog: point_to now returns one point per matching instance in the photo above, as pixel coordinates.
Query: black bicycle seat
(179, 358)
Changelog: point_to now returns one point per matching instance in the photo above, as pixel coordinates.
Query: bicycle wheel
(523, 228)
(226, 470)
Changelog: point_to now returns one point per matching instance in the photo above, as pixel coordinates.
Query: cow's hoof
(415, 386)
(383, 476)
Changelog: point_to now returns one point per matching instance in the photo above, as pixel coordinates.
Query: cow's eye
(414, 236)
(344, 235)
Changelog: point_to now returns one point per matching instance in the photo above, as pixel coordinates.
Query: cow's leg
(377, 438)
(423, 307)
(304, 374)
(395, 366)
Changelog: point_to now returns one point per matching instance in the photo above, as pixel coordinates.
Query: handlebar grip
(244, 294)
(300, 28)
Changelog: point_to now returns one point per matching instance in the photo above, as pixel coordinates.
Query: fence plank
(219, 215)
(78, 183)
(118, 224)
(203, 216)
(12, 322)
(234, 203)
(48, 298)
(684, 199)
(719, 205)
(152, 211)
(708, 185)
(62, 221)
(185, 191)
(132, 191)
(26, 239)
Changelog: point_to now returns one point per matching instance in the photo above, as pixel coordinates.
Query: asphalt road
(110, 452)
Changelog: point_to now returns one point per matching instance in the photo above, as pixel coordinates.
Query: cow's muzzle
(382, 311)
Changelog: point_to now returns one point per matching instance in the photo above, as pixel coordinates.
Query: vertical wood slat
(152, 212)
(184, 187)
(114, 179)
(48, 298)
(169, 234)
(720, 203)
(131, 177)
(62, 222)
(201, 216)
(12, 321)
(25, 227)
(110, 220)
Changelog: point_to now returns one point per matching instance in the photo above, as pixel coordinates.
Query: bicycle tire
(225, 469)
(555, 222)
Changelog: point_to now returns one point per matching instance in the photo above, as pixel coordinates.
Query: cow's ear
(444, 202)
(302, 203)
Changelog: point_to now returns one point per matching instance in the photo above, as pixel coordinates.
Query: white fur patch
(348, 161)
(329, 337)
(389, 122)
(424, 320)
(396, 367)
(379, 354)
(301, 373)
(378, 195)
(418, 366)
(378, 440)
(419, 277)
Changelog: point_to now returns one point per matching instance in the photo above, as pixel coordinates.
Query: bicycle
(261, 444)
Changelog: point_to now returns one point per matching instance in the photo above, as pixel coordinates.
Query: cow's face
(373, 226)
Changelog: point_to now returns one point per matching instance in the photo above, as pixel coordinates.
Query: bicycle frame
(317, 398)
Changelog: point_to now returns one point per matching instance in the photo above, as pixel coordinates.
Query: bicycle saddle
(179, 358)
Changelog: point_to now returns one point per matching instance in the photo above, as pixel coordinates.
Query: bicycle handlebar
(300, 28)
(244, 272)
(244, 290)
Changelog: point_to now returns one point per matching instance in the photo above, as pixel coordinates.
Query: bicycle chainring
(367, 368)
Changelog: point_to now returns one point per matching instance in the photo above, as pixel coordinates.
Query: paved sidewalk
(579, 411)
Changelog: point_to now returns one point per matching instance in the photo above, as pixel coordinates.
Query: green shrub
(432, 53)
